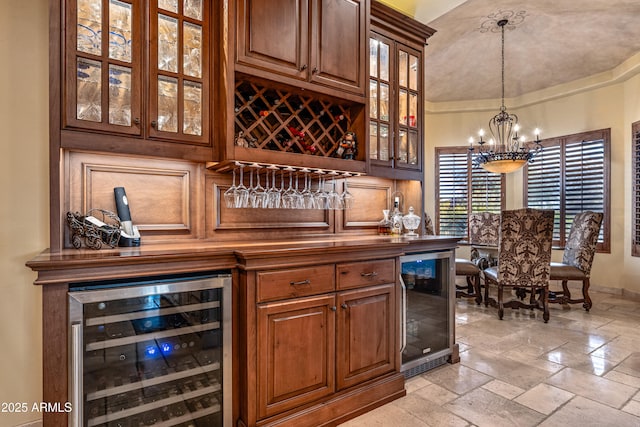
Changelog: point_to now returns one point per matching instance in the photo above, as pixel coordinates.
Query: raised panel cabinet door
(339, 44)
(274, 36)
(365, 334)
(296, 353)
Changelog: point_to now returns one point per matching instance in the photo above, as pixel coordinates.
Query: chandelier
(506, 151)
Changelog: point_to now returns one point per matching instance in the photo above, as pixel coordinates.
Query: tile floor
(580, 369)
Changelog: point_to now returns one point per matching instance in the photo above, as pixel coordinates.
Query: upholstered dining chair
(577, 258)
(524, 260)
(471, 272)
(484, 229)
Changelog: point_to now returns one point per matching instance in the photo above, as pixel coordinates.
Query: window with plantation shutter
(461, 189)
(635, 183)
(544, 184)
(570, 176)
(486, 191)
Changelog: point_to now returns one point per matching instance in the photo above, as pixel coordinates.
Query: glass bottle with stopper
(396, 218)
(384, 226)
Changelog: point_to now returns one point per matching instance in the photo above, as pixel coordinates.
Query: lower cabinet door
(296, 353)
(366, 338)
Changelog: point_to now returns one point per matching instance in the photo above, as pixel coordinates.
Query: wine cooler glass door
(151, 353)
(427, 327)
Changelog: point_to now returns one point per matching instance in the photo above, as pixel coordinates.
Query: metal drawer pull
(302, 282)
(372, 274)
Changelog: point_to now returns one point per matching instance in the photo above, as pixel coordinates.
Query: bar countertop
(161, 258)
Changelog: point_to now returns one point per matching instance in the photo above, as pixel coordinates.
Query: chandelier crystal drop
(505, 152)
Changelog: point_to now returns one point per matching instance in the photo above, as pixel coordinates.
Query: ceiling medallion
(513, 20)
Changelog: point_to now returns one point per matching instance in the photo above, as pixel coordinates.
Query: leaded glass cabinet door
(380, 90)
(409, 109)
(103, 75)
(179, 70)
(395, 105)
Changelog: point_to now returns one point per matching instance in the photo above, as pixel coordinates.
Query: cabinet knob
(136, 120)
(304, 67)
(154, 124)
(333, 308)
(315, 70)
(344, 305)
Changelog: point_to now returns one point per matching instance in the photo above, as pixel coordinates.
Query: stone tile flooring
(580, 369)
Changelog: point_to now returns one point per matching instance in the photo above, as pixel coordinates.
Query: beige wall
(24, 210)
(615, 105)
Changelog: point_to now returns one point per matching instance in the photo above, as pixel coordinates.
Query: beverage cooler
(427, 310)
(151, 352)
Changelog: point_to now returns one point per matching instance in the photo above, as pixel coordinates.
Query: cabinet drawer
(292, 283)
(365, 273)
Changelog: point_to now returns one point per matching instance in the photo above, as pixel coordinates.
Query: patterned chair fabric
(484, 228)
(525, 247)
(581, 243)
(577, 259)
(524, 260)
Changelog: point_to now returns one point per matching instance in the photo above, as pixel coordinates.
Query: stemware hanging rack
(279, 191)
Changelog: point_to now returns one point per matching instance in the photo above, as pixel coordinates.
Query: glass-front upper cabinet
(106, 74)
(179, 70)
(409, 113)
(380, 143)
(103, 81)
(395, 105)
(396, 84)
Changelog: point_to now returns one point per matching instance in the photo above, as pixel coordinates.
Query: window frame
(635, 189)
(562, 142)
(470, 167)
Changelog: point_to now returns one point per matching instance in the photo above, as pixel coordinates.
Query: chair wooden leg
(500, 302)
(470, 287)
(565, 290)
(585, 293)
(486, 292)
(476, 283)
(545, 304)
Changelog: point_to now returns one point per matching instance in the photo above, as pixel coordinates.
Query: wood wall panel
(224, 223)
(176, 199)
(372, 195)
(164, 196)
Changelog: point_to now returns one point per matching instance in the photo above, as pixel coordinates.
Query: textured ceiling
(559, 41)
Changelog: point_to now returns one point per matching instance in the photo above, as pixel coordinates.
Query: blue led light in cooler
(151, 350)
(165, 347)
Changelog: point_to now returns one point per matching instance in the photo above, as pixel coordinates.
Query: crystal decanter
(411, 222)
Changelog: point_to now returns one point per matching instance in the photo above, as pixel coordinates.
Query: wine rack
(150, 355)
(269, 118)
